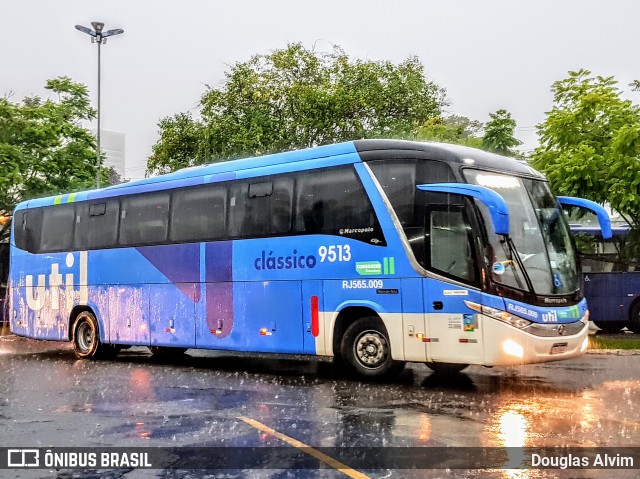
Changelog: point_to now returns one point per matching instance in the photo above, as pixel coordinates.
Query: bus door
(453, 331)
(414, 320)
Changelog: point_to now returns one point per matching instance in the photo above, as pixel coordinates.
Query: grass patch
(604, 342)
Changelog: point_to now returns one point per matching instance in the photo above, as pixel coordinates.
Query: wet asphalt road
(48, 398)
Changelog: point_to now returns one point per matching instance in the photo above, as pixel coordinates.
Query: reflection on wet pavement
(49, 398)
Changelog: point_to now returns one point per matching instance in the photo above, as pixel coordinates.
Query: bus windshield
(539, 234)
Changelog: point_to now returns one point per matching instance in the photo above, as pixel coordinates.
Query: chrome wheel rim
(85, 337)
(371, 349)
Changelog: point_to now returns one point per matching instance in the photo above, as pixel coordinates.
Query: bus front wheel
(365, 349)
(86, 339)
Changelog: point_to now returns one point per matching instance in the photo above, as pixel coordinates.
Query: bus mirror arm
(600, 212)
(497, 205)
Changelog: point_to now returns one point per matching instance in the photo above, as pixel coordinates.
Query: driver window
(450, 247)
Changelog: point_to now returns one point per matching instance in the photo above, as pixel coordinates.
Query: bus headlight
(500, 315)
(512, 348)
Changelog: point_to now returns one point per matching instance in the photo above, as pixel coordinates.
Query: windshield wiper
(511, 252)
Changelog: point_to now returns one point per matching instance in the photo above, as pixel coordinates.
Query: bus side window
(144, 219)
(96, 225)
(450, 246)
(57, 228)
(334, 202)
(28, 229)
(247, 216)
(20, 230)
(280, 206)
(199, 214)
(261, 208)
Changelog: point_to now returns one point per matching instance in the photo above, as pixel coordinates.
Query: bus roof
(385, 149)
(339, 153)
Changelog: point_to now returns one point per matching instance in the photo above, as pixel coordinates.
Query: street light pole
(98, 36)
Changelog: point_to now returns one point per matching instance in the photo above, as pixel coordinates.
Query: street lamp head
(86, 30)
(97, 26)
(98, 36)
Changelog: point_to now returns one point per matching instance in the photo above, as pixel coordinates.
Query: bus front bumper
(514, 346)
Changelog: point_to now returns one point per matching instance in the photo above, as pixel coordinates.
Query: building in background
(113, 146)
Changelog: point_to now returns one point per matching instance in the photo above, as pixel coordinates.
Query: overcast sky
(487, 54)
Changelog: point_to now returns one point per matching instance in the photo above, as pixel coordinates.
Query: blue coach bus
(376, 252)
(611, 275)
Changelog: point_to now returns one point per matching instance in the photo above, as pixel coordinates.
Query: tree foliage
(454, 129)
(499, 134)
(43, 147)
(590, 143)
(297, 98)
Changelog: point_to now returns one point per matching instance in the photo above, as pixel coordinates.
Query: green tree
(43, 147)
(499, 134)
(590, 143)
(297, 98)
(455, 129)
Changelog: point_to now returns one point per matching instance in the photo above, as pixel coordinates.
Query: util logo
(550, 317)
(37, 295)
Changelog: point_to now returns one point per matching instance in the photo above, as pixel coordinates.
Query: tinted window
(450, 245)
(398, 179)
(259, 208)
(57, 228)
(199, 214)
(97, 225)
(280, 206)
(144, 219)
(19, 225)
(27, 225)
(333, 201)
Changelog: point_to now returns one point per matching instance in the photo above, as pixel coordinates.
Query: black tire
(86, 337)
(610, 326)
(446, 369)
(634, 318)
(166, 352)
(365, 349)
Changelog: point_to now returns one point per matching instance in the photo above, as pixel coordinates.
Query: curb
(615, 352)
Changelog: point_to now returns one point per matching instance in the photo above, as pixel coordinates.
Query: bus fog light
(585, 343)
(512, 348)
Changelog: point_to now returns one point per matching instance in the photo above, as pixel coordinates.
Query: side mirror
(492, 200)
(600, 212)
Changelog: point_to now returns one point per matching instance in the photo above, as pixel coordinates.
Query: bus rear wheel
(446, 369)
(86, 339)
(365, 349)
(610, 327)
(634, 318)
